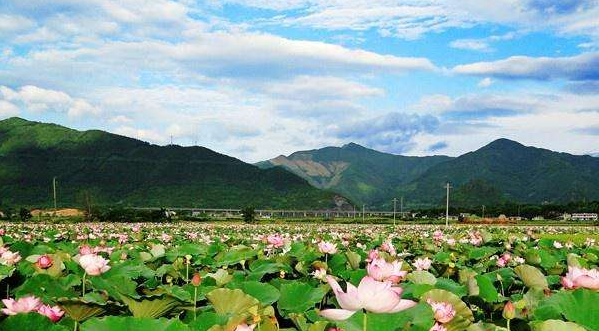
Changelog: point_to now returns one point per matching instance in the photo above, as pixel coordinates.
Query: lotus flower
(53, 313)
(10, 258)
(21, 306)
(44, 261)
(444, 311)
(422, 264)
(381, 270)
(93, 264)
(371, 295)
(245, 327)
(85, 249)
(438, 327)
(326, 247)
(275, 240)
(580, 277)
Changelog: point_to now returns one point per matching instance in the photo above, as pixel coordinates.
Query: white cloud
(579, 67)
(8, 109)
(485, 82)
(411, 19)
(36, 99)
(471, 44)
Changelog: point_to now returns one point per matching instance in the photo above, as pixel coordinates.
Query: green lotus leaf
(30, 322)
(45, 287)
(487, 290)
(233, 302)
(150, 307)
(297, 297)
(531, 276)
(578, 306)
(264, 292)
(417, 318)
(354, 259)
(221, 276)
(422, 277)
(79, 309)
(556, 325)
(115, 323)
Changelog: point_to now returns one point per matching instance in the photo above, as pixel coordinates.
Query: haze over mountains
(502, 171)
(112, 169)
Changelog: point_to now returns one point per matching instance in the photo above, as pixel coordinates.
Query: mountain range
(109, 169)
(500, 172)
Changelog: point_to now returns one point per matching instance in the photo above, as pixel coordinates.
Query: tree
(249, 214)
(24, 215)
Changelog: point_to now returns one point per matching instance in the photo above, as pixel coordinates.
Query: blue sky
(259, 78)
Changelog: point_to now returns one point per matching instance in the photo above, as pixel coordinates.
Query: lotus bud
(509, 311)
(196, 279)
(44, 262)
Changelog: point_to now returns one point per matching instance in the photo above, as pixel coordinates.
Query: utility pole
(394, 209)
(483, 211)
(363, 213)
(171, 140)
(354, 211)
(447, 207)
(401, 208)
(54, 190)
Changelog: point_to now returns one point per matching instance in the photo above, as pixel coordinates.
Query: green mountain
(501, 172)
(506, 170)
(361, 174)
(112, 169)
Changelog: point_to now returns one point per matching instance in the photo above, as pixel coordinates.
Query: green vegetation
(364, 175)
(501, 173)
(99, 168)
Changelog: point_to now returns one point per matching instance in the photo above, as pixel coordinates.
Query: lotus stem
(83, 284)
(364, 322)
(508, 325)
(76, 326)
(195, 301)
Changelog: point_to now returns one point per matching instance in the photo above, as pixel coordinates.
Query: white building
(584, 217)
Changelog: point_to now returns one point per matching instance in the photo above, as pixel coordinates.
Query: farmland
(305, 277)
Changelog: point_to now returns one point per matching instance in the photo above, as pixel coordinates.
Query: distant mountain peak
(14, 121)
(503, 143)
(352, 145)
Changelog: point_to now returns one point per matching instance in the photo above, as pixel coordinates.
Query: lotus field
(233, 277)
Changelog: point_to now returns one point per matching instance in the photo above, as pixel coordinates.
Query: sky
(255, 79)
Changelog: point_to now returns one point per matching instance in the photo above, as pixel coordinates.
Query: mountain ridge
(115, 169)
(502, 171)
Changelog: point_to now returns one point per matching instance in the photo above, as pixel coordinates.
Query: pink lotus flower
(388, 247)
(245, 327)
(275, 240)
(85, 249)
(326, 247)
(381, 270)
(53, 313)
(371, 295)
(10, 258)
(44, 261)
(373, 254)
(422, 264)
(438, 327)
(580, 277)
(21, 306)
(438, 235)
(444, 311)
(93, 264)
